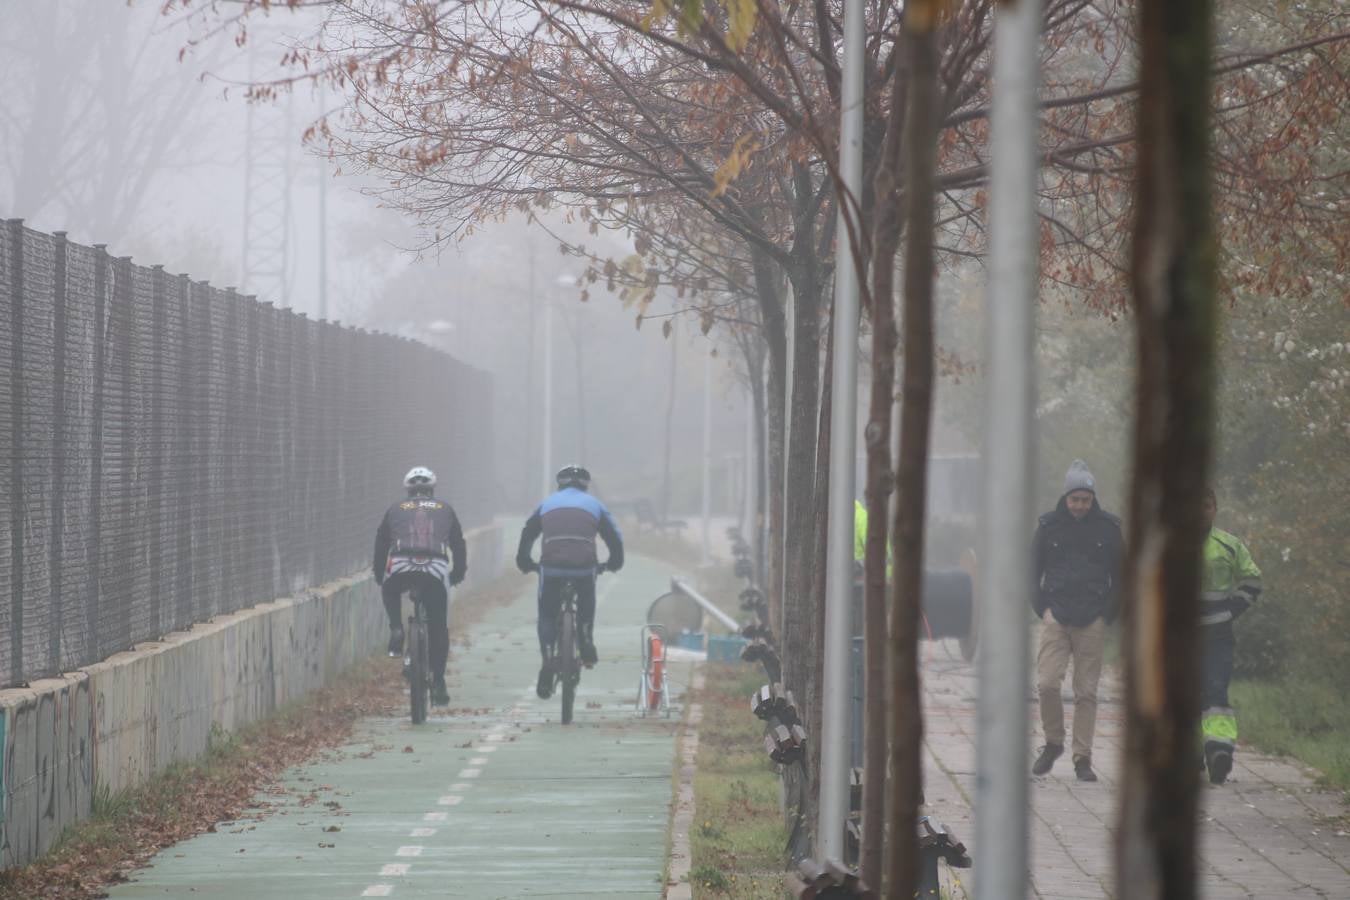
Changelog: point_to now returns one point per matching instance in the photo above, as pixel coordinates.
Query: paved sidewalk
(492, 799)
(1269, 833)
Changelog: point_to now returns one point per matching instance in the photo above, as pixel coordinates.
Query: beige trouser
(1059, 644)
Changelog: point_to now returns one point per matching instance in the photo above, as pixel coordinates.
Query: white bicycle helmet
(419, 480)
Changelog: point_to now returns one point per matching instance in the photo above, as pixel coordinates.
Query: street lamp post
(707, 458)
(835, 707)
(547, 439)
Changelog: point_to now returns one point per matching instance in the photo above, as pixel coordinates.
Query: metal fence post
(204, 546)
(56, 565)
(156, 461)
(122, 319)
(16, 522)
(95, 603)
(184, 488)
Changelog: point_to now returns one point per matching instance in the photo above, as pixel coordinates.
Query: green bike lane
(492, 798)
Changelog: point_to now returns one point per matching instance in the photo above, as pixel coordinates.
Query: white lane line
(469, 773)
(460, 787)
(450, 800)
(478, 761)
(414, 850)
(378, 890)
(422, 832)
(490, 748)
(397, 870)
(434, 817)
(494, 737)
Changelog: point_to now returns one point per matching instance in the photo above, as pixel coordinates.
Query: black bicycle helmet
(574, 476)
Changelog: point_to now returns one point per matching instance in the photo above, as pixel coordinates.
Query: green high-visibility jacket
(1231, 580)
(860, 536)
(859, 530)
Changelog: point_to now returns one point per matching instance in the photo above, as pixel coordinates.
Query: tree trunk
(759, 521)
(880, 484)
(800, 638)
(820, 548)
(1173, 271)
(775, 340)
(906, 774)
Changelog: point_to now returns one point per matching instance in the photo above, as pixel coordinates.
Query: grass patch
(738, 836)
(1309, 721)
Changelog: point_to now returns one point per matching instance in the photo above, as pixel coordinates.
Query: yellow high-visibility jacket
(1232, 582)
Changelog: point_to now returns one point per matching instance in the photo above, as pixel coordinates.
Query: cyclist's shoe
(544, 688)
(396, 641)
(588, 655)
(439, 695)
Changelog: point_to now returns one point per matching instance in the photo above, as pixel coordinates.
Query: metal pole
(1005, 579)
(835, 706)
(707, 459)
(709, 607)
(529, 374)
(548, 397)
(323, 217)
(748, 520)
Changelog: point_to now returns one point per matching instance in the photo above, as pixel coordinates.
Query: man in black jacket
(1076, 560)
(420, 544)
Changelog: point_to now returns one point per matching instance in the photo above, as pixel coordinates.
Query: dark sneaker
(588, 655)
(396, 641)
(1220, 764)
(544, 688)
(439, 695)
(1049, 753)
(1082, 767)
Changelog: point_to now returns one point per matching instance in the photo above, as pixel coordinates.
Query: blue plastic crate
(725, 647)
(689, 640)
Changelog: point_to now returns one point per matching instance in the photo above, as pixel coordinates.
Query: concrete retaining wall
(113, 725)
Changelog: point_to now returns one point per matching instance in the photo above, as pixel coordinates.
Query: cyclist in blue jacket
(568, 521)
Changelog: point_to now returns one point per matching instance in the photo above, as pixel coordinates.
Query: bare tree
(92, 120)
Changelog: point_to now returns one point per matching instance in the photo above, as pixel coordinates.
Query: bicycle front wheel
(567, 662)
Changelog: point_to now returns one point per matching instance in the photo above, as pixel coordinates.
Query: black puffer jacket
(1076, 565)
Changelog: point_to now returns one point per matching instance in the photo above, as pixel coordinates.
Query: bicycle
(415, 664)
(566, 663)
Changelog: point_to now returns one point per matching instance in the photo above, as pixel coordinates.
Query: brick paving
(1271, 832)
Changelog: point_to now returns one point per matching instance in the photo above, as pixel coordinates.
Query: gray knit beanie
(1078, 478)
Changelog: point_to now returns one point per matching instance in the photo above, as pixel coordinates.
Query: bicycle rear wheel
(567, 663)
(417, 670)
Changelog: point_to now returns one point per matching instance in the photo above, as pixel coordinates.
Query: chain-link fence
(170, 451)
